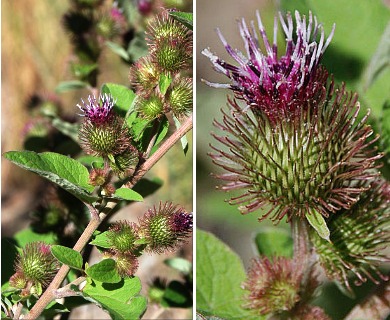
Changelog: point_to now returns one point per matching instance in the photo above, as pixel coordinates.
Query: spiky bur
(165, 227)
(278, 87)
(102, 133)
(313, 164)
(179, 97)
(302, 154)
(125, 162)
(122, 236)
(144, 76)
(170, 43)
(151, 107)
(358, 238)
(35, 267)
(272, 286)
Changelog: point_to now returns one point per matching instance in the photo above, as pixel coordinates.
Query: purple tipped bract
(278, 86)
(98, 112)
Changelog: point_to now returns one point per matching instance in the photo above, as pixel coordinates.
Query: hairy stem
(50, 292)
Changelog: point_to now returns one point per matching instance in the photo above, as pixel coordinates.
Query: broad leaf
(180, 264)
(68, 256)
(104, 271)
(66, 172)
(218, 279)
(69, 129)
(121, 300)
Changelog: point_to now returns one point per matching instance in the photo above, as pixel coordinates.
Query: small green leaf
(69, 129)
(71, 85)
(122, 95)
(163, 130)
(180, 264)
(121, 300)
(183, 140)
(164, 83)
(82, 71)
(127, 194)
(104, 271)
(185, 18)
(272, 241)
(91, 161)
(318, 222)
(120, 51)
(101, 240)
(68, 256)
(141, 241)
(177, 295)
(218, 279)
(66, 172)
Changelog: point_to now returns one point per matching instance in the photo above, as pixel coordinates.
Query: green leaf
(82, 71)
(185, 18)
(218, 279)
(120, 300)
(180, 264)
(101, 240)
(271, 241)
(127, 194)
(163, 130)
(69, 129)
(104, 271)
(120, 51)
(71, 85)
(183, 140)
(68, 256)
(177, 295)
(91, 161)
(164, 83)
(29, 235)
(66, 172)
(122, 95)
(318, 222)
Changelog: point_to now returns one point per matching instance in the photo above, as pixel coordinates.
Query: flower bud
(150, 108)
(125, 162)
(122, 236)
(144, 76)
(126, 263)
(358, 237)
(273, 286)
(165, 227)
(35, 264)
(180, 97)
(102, 132)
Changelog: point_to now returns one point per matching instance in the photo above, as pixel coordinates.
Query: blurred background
(360, 26)
(36, 57)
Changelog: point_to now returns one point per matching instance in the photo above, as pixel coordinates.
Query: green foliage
(104, 271)
(185, 18)
(317, 221)
(68, 256)
(164, 83)
(271, 241)
(120, 300)
(127, 194)
(180, 264)
(68, 173)
(71, 85)
(219, 277)
(123, 96)
(101, 240)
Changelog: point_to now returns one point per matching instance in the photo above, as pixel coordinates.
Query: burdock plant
(293, 145)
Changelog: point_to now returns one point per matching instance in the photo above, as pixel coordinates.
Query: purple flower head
(281, 86)
(98, 112)
(182, 222)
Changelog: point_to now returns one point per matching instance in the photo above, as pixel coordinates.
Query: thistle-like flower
(170, 43)
(358, 238)
(126, 262)
(35, 265)
(302, 154)
(277, 86)
(144, 76)
(165, 227)
(150, 108)
(102, 133)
